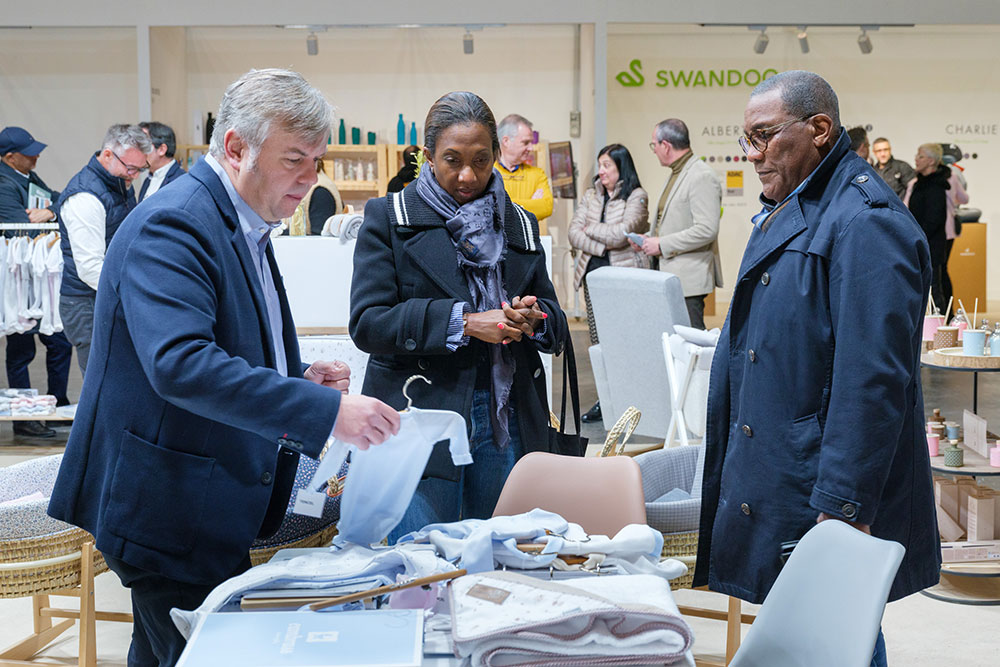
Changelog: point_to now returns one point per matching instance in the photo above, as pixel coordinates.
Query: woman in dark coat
(927, 199)
(450, 283)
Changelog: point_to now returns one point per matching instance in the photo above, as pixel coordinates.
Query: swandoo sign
(693, 78)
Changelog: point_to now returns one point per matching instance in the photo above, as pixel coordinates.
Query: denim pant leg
(483, 480)
(20, 353)
(879, 658)
(434, 501)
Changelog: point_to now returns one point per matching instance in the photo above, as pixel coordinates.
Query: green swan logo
(627, 79)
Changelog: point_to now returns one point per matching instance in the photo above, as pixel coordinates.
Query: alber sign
(694, 78)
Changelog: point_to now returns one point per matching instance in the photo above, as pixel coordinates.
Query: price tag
(309, 503)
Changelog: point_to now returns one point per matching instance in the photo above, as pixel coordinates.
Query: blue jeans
(475, 494)
(879, 658)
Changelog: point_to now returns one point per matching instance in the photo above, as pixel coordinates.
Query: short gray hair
(803, 93)
(264, 96)
(121, 136)
(674, 132)
(933, 151)
(510, 125)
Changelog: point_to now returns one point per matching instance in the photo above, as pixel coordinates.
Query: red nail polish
(503, 304)
(505, 341)
(545, 316)
(499, 325)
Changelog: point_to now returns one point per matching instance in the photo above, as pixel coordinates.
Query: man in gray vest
(91, 208)
(687, 219)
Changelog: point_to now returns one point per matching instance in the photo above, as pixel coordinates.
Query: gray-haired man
(197, 406)
(96, 200)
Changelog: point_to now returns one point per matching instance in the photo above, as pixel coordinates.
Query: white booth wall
(919, 84)
(66, 86)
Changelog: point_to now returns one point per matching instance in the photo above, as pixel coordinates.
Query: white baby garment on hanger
(382, 479)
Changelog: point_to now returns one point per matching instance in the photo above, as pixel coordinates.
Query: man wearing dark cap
(20, 202)
(18, 153)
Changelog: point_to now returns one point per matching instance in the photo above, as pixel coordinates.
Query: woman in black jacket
(927, 198)
(450, 283)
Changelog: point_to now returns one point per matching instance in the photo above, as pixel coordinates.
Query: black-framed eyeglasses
(759, 138)
(129, 169)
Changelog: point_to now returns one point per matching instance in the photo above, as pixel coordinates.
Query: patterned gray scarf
(477, 230)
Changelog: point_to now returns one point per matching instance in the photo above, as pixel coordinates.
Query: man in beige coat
(684, 236)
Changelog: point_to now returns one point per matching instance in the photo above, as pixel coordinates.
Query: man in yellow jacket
(527, 186)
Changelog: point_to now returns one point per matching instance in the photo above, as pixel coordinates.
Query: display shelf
(975, 465)
(193, 151)
(930, 361)
(965, 583)
(366, 153)
(357, 186)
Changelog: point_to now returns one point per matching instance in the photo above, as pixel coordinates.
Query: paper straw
(975, 315)
(948, 310)
(931, 306)
(965, 313)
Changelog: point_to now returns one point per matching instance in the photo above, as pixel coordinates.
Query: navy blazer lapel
(207, 176)
(288, 333)
(145, 187)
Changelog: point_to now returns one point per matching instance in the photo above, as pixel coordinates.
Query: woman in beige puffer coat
(615, 206)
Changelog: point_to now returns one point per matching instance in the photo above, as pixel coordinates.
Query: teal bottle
(413, 134)
(401, 131)
(342, 133)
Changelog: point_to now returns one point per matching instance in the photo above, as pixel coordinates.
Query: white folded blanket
(507, 619)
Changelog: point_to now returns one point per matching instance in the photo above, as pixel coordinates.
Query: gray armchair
(632, 310)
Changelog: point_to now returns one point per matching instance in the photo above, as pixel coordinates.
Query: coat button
(747, 431)
(752, 355)
(765, 279)
(745, 509)
(265, 478)
(538, 372)
(849, 510)
(863, 178)
(410, 344)
(423, 365)
(282, 441)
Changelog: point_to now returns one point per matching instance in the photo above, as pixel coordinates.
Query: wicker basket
(44, 578)
(681, 545)
(320, 539)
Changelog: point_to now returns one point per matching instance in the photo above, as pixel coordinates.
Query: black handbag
(561, 442)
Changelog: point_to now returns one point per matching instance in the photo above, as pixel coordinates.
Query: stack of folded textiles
(8, 395)
(503, 618)
(33, 406)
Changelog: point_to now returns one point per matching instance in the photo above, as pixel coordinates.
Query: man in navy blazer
(163, 168)
(196, 407)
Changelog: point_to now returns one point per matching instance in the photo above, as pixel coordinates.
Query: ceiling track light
(803, 39)
(760, 44)
(312, 44)
(864, 42)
